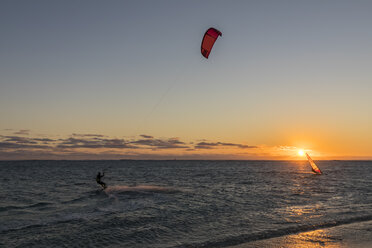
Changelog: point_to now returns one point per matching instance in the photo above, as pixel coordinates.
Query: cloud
(287, 148)
(97, 146)
(212, 145)
(146, 136)
(11, 145)
(94, 143)
(19, 140)
(171, 143)
(45, 140)
(22, 132)
(89, 141)
(87, 135)
(25, 140)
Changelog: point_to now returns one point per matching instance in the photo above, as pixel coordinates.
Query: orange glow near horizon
(301, 153)
(96, 145)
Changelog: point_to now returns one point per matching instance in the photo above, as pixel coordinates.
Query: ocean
(176, 203)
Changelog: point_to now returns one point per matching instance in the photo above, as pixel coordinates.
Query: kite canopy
(208, 41)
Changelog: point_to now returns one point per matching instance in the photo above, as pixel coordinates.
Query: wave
(120, 189)
(68, 218)
(245, 238)
(139, 188)
(36, 205)
(84, 196)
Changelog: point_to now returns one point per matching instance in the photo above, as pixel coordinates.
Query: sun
(301, 152)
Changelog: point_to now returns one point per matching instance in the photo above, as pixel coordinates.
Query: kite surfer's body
(99, 181)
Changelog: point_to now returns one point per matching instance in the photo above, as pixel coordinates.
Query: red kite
(208, 41)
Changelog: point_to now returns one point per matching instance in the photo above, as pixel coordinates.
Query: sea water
(176, 203)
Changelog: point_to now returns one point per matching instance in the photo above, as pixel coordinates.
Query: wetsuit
(98, 179)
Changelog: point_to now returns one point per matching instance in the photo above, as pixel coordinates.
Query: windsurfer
(314, 168)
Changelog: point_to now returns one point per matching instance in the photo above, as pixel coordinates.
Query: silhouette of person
(99, 181)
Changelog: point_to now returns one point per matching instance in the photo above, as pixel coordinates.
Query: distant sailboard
(313, 165)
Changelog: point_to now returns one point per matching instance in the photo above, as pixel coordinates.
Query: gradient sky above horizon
(284, 73)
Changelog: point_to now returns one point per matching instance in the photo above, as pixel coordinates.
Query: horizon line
(10, 160)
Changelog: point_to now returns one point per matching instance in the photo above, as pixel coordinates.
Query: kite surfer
(98, 179)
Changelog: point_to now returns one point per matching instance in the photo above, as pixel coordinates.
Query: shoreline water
(356, 235)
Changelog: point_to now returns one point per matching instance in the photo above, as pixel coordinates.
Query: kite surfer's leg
(103, 185)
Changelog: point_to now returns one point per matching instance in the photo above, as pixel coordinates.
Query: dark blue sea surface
(176, 203)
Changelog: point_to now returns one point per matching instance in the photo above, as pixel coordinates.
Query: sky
(126, 80)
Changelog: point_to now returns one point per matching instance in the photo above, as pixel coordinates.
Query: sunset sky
(125, 79)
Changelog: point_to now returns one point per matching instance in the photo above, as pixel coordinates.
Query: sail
(313, 165)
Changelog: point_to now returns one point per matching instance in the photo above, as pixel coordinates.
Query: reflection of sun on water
(310, 239)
